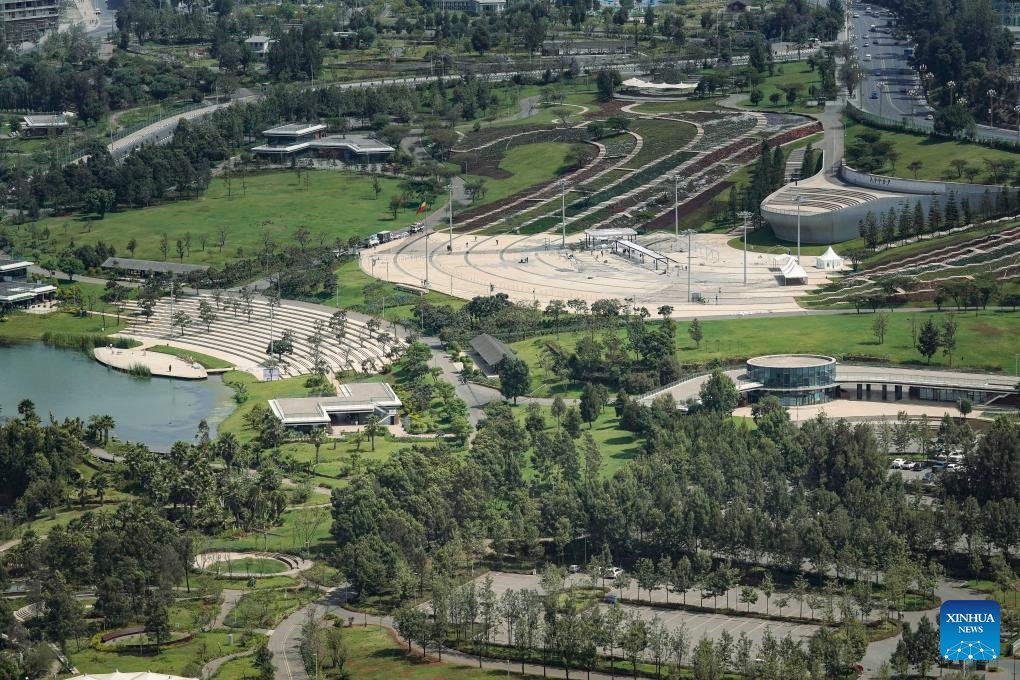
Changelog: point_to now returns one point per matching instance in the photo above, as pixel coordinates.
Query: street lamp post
(881, 98)
(427, 234)
(1016, 110)
(991, 107)
(952, 89)
(689, 233)
(449, 245)
(744, 215)
(798, 200)
(676, 209)
(563, 213)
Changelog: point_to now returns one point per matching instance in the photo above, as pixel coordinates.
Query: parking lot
(697, 624)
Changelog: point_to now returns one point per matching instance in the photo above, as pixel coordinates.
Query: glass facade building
(795, 379)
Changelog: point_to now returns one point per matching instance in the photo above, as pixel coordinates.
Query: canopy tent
(658, 88)
(791, 270)
(140, 675)
(829, 260)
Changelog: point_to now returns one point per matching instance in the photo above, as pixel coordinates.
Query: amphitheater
(833, 205)
(233, 338)
(536, 269)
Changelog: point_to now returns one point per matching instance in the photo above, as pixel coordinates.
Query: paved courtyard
(536, 268)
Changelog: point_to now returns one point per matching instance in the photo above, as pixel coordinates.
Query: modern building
(1008, 12)
(15, 288)
(809, 379)
(490, 351)
(29, 20)
(293, 141)
(477, 7)
(259, 45)
(353, 405)
(795, 379)
(145, 268)
(44, 125)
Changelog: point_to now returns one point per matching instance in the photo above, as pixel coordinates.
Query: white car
(574, 569)
(929, 117)
(898, 463)
(612, 572)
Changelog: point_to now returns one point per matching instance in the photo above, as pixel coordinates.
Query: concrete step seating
(248, 341)
(988, 242)
(828, 199)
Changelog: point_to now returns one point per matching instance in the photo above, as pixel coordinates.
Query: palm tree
(105, 424)
(99, 485)
(317, 437)
(82, 486)
(227, 448)
(372, 428)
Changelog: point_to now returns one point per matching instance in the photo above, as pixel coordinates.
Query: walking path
(230, 599)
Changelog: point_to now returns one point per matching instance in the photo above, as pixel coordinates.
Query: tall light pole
(952, 89)
(563, 213)
(676, 210)
(1016, 110)
(745, 215)
(689, 233)
(798, 200)
(449, 246)
(427, 234)
(991, 108)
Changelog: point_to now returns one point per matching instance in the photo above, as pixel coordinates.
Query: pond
(154, 411)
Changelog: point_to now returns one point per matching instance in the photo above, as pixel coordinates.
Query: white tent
(791, 269)
(658, 88)
(829, 260)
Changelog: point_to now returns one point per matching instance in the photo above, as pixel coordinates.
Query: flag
(421, 208)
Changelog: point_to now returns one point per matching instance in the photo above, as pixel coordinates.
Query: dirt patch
(487, 167)
(988, 330)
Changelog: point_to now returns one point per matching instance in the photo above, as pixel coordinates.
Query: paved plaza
(158, 363)
(537, 268)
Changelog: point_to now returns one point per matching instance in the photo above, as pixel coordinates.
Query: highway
(890, 74)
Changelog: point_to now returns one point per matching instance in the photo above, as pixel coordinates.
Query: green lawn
(529, 164)
(327, 203)
(688, 104)
(237, 669)
(299, 527)
(171, 661)
(266, 608)
(204, 359)
(351, 282)
(374, 654)
(618, 446)
(791, 73)
(934, 155)
(20, 326)
(250, 565)
(985, 340)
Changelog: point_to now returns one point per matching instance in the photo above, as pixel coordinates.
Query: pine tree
(928, 340)
(778, 168)
(965, 211)
(952, 212)
(934, 218)
(919, 223)
(870, 230)
(889, 226)
(903, 226)
(986, 205)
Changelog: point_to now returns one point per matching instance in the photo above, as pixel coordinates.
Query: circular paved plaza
(537, 268)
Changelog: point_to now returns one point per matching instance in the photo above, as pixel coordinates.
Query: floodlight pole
(449, 246)
(676, 210)
(427, 234)
(798, 228)
(689, 233)
(563, 213)
(743, 214)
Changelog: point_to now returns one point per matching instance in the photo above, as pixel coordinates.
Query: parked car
(898, 463)
(874, 94)
(612, 572)
(929, 117)
(574, 569)
(610, 599)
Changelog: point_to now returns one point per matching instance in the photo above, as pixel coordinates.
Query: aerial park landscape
(478, 339)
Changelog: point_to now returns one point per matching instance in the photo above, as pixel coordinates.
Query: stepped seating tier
(245, 343)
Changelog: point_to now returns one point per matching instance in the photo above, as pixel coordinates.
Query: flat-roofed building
(15, 288)
(259, 45)
(353, 405)
(44, 125)
(29, 20)
(300, 140)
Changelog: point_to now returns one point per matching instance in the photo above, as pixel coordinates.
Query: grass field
(791, 73)
(529, 164)
(204, 359)
(250, 565)
(328, 203)
(171, 661)
(374, 654)
(689, 104)
(934, 155)
(351, 282)
(21, 326)
(985, 340)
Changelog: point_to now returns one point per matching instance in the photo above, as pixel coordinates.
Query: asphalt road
(890, 74)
